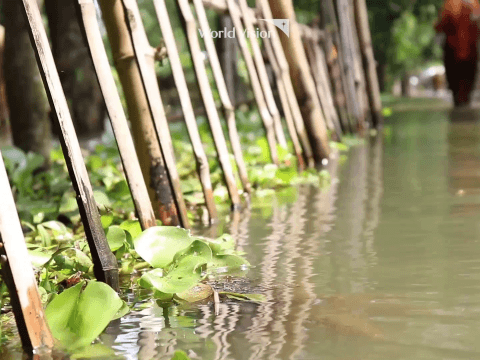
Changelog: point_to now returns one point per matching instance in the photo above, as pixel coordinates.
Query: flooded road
(383, 264)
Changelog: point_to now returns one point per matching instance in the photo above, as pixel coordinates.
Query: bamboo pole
(156, 159)
(287, 80)
(105, 263)
(207, 95)
(332, 65)
(304, 84)
(262, 74)
(139, 41)
(369, 62)
(134, 20)
(117, 117)
(284, 99)
(325, 81)
(228, 108)
(329, 8)
(18, 274)
(349, 62)
(255, 82)
(314, 56)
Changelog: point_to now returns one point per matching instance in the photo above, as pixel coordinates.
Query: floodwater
(383, 264)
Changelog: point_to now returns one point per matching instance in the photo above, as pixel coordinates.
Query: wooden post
(229, 110)
(314, 55)
(361, 18)
(283, 98)
(348, 52)
(336, 76)
(156, 159)
(105, 263)
(208, 100)
(135, 23)
(328, 7)
(89, 25)
(262, 74)
(304, 84)
(18, 274)
(287, 80)
(255, 82)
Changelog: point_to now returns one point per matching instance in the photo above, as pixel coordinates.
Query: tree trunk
(75, 68)
(26, 95)
(5, 134)
(303, 81)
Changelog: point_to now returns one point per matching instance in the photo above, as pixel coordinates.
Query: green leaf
(107, 220)
(222, 245)
(244, 297)
(196, 293)
(180, 355)
(227, 264)
(176, 281)
(116, 237)
(159, 244)
(39, 257)
(77, 318)
(132, 227)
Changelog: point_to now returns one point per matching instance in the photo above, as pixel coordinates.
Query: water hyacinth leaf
(116, 237)
(196, 293)
(95, 351)
(197, 253)
(221, 245)
(77, 318)
(148, 279)
(132, 227)
(180, 355)
(39, 257)
(244, 297)
(176, 281)
(102, 200)
(227, 264)
(107, 220)
(159, 244)
(68, 204)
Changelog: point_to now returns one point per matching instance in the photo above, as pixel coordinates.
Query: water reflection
(382, 264)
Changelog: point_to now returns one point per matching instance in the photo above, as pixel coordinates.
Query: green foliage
(77, 317)
(182, 261)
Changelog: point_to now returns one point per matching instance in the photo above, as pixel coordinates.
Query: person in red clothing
(458, 20)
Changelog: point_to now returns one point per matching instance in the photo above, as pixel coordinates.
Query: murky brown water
(384, 264)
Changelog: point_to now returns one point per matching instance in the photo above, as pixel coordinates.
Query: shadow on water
(382, 264)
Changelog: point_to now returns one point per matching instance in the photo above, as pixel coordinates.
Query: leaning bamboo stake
(262, 74)
(229, 109)
(348, 90)
(349, 61)
(201, 158)
(323, 90)
(304, 84)
(115, 112)
(284, 99)
(207, 95)
(255, 82)
(361, 17)
(158, 165)
(137, 33)
(325, 81)
(287, 80)
(18, 274)
(333, 71)
(105, 264)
